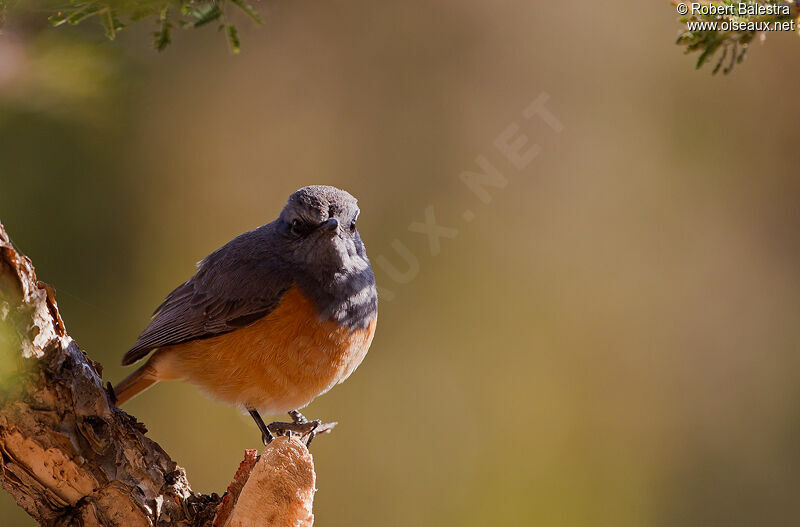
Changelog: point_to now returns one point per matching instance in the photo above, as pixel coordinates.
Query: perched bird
(271, 320)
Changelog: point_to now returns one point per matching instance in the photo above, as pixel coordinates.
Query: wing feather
(234, 286)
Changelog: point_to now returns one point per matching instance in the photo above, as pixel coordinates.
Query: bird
(272, 319)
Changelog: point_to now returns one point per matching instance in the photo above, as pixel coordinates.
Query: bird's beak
(331, 226)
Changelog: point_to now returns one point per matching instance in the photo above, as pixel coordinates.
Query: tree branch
(69, 457)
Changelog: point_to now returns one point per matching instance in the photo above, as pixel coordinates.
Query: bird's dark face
(319, 227)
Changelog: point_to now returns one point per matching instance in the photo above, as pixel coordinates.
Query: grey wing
(234, 287)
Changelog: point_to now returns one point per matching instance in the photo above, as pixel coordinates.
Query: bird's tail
(135, 383)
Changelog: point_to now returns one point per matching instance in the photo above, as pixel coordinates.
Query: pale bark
(69, 456)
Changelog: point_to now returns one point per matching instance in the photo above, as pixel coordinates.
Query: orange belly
(279, 363)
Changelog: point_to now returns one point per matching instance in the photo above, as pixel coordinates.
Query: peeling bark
(69, 456)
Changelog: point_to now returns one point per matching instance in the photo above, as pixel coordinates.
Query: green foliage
(168, 14)
(233, 38)
(727, 36)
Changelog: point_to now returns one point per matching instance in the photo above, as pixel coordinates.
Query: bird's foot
(300, 426)
(280, 428)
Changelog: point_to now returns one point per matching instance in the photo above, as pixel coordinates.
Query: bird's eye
(353, 227)
(296, 226)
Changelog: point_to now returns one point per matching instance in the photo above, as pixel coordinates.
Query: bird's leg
(297, 417)
(266, 435)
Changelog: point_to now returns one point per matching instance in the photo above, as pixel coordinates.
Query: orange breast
(279, 363)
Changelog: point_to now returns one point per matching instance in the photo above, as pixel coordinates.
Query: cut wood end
(275, 488)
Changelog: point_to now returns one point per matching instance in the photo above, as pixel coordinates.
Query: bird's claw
(278, 428)
(305, 429)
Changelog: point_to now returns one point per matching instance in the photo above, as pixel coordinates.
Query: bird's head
(318, 224)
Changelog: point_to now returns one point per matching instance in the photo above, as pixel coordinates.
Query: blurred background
(611, 340)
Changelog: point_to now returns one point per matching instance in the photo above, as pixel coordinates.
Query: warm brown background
(612, 341)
